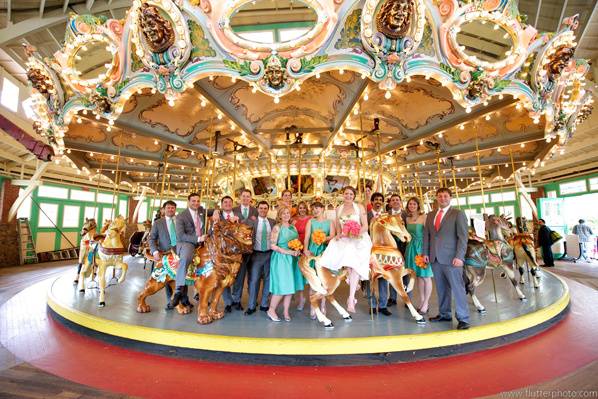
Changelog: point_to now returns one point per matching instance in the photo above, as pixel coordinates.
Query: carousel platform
(255, 339)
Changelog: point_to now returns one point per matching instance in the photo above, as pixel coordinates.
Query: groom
(445, 244)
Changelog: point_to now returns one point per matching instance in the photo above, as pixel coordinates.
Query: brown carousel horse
(525, 254)
(495, 252)
(386, 262)
(88, 233)
(214, 268)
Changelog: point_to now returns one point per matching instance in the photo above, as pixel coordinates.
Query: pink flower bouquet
(351, 229)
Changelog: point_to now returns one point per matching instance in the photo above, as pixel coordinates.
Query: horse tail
(527, 251)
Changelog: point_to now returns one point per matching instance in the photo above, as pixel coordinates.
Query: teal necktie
(244, 213)
(264, 241)
(172, 232)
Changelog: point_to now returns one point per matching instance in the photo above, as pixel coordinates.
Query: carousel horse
(525, 254)
(495, 252)
(214, 268)
(386, 262)
(110, 252)
(88, 233)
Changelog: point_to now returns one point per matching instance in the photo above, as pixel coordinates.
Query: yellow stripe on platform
(310, 346)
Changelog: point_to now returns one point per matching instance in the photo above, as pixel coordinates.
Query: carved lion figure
(158, 31)
(394, 17)
(215, 267)
(39, 82)
(558, 61)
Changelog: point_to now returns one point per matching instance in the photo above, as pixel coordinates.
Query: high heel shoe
(301, 304)
(351, 305)
(274, 319)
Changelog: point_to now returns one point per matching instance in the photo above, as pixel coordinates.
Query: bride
(352, 252)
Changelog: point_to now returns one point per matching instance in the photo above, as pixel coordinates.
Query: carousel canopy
(407, 94)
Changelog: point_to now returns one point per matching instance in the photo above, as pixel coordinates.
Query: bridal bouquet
(318, 237)
(351, 229)
(419, 261)
(295, 245)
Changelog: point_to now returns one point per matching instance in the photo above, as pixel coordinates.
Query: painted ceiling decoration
(175, 76)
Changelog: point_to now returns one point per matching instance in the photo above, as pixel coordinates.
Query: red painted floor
(556, 352)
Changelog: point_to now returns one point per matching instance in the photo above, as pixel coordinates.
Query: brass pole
(234, 172)
(455, 184)
(517, 202)
(95, 210)
(299, 174)
(116, 182)
(289, 164)
(361, 167)
(440, 180)
(399, 175)
(477, 153)
(381, 188)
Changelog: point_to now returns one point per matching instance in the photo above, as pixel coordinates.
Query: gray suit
(159, 238)
(186, 241)
(442, 246)
(237, 288)
(260, 267)
(382, 283)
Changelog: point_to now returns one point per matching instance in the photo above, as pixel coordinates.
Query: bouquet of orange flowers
(318, 237)
(295, 245)
(419, 261)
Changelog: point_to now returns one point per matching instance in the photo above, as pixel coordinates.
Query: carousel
(401, 96)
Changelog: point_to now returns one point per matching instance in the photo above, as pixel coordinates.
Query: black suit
(545, 242)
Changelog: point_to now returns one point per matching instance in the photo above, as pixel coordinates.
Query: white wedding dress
(350, 252)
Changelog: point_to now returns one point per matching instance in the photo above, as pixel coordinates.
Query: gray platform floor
(121, 304)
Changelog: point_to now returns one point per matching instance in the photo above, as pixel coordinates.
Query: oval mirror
(273, 21)
(92, 61)
(485, 40)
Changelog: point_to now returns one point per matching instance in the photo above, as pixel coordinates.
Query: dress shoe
(237, 306)
(385, 312)
(176, 298)
(373, 311)
(228, 309)
(264, 308)
(440, 318)
(391, 302)
(463, 325)
(249, 311)
(275, 319)
(196, 297)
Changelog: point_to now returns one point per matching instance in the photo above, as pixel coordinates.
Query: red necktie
(227, 216)
(438, 219)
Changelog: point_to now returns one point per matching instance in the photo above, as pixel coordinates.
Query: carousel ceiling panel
(294, 117)
(127, 140)
(481, 129)
(517, 121)
(409, 105)
(87, 131)
(182, 118)
(316, 95)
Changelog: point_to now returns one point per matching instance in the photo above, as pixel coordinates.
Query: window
(261, 36)
(70, 216)
(10, 95)
(24, 210)
(593, 183)
(91, 212)
(551, 194)
(142, 215)
(289, 34)
(461, 202)
(507, 196)
(122, 209)
(81, 195)
(573, 187)
(48, 215)
(105, 198)
(471, 212)
(107, 213)
(477, 199)
(180, 205)
(53, 192)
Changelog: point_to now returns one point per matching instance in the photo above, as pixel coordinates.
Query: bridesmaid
(319, 222)
(285, 276)
(300, 221)
(286, 200)
(415, 226)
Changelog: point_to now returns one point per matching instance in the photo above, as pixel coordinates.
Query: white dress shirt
(257, 245)
(227, 214)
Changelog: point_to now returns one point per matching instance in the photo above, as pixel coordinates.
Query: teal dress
(315, 249)
(285, 276)
(414, 248)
